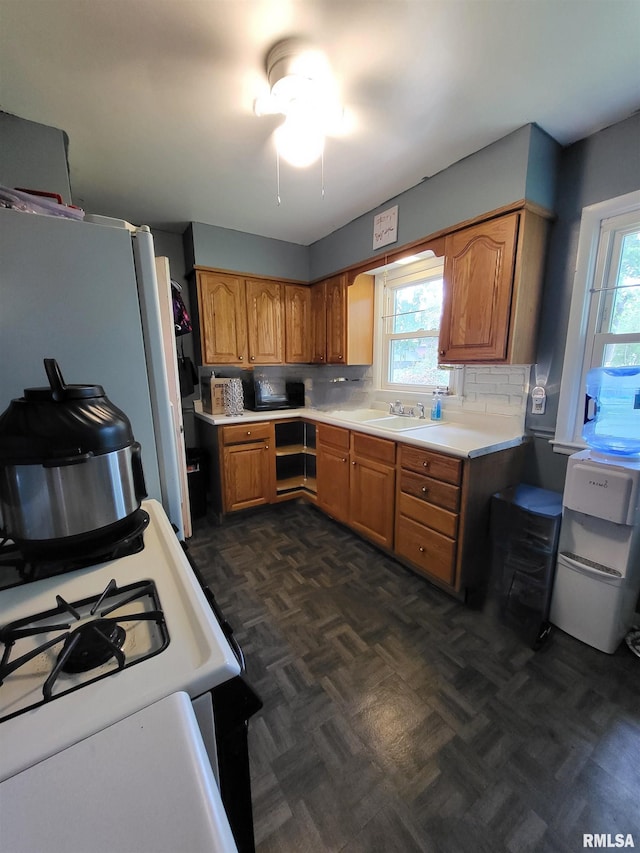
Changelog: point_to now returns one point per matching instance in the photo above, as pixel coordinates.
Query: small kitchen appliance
(264, 393)
(598, 571)
(70, 469)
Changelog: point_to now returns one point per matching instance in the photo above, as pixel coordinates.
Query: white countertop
(466, 436)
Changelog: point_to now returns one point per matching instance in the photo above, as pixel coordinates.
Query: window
(411, 308)
(604, 323)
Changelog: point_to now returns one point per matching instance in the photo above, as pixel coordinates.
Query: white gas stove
(87, 649)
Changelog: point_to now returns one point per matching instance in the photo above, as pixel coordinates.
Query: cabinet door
(336, 299)
(333, 481)
(478, 277)
(372, 492)
(223, 318)
(247, 476)
(297, 316)
(264, 318)
(318, 323)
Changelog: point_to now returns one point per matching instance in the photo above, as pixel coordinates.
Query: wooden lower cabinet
(429, 551)
(247, 466)
(443, 512)
(372, 487)
(332, 475)
(356, 481)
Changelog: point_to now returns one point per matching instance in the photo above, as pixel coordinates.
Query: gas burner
(26, 562)
(92, 644)
(47, 656)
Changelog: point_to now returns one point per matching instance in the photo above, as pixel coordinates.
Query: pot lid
(61, 422)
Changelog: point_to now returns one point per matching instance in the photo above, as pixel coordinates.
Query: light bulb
(300, 142)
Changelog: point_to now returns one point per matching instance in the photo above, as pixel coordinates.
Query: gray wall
(521, 165)
(211, 246)
(33, 156)
(495, 176)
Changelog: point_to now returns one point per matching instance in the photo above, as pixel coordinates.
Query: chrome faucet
(420, 409)
(396, 408)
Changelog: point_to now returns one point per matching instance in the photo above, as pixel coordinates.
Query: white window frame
(595, 244)
(386, 281)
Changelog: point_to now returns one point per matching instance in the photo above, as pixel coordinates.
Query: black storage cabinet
(525, 526)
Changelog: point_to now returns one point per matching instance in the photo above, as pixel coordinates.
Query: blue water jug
(613, 425)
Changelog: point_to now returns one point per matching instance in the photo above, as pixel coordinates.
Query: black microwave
(262, 393)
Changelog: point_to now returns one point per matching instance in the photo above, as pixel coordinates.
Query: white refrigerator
(86, 293)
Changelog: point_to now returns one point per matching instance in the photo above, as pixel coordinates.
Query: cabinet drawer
(335, 436)
(431, 516)
(379, 449)
(428, 551)
(444, 468)
(428, 489)
(240, 433)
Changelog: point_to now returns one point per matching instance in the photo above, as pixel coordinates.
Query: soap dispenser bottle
(436, 407)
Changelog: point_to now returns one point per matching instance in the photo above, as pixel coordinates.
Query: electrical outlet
(538, 400)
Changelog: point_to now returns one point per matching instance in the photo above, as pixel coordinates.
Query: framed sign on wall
(385, 227)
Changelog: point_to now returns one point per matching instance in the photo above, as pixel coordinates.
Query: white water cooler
(598, 569)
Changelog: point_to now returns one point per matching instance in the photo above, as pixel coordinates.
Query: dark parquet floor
(397, 719)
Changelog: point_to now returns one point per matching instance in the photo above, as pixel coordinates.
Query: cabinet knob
(240, 358)
(442, 352)
(253, 358)
(321, 358)
(421, 549)
(353, 463)
(425, 464)
(343, 459)
(266, 447)
(424, 490)
(248, 432)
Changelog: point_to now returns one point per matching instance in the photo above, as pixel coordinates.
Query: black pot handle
(54, 375)
(138, 473)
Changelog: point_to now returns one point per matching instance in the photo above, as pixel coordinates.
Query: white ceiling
(157, 96)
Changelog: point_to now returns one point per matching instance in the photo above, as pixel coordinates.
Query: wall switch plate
(538, 400)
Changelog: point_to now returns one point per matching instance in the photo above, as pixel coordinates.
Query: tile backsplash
(489, 389)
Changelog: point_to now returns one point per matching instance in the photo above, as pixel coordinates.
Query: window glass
(410, 326)
(604, 323)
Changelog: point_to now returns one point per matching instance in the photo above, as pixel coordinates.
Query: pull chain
(322, 173)
(278, 177)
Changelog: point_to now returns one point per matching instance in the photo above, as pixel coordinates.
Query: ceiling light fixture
(303, 90)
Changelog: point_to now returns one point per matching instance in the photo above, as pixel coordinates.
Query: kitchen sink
(398, 423)
(357, 414)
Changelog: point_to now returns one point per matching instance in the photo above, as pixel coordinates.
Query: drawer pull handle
(424, 490)
(248, 432)
(421, 549)
(425, 464)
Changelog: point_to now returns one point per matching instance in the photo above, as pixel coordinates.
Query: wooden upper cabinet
(493, 281)
(318, 323)
(297, 321)
(347, 334)
(264, 321)
(222, 313)
(336, 301)
(240, 320)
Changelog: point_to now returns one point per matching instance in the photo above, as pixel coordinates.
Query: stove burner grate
(86, 648)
